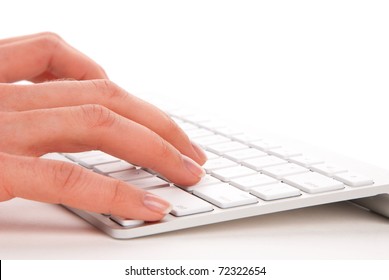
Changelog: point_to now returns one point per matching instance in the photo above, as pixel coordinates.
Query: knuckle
(171, 127)
(49, 41)
(8, 96)
(108, 90)
(116, 195)
(67, 177)
(97, 116)
(5, 189)
(162, 152)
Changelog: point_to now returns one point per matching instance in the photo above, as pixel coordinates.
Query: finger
(64, 183)
(107, 94)
(38, 56)
(93, 127)
(19, 38)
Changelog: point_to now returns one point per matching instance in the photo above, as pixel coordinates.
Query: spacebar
(182, 202)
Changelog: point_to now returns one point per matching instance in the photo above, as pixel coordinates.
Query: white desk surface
(32, 230)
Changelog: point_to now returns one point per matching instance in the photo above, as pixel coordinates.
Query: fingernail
(193, 167)
(156, 204)
(199, 151)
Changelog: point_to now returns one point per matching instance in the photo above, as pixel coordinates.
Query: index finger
(107, 94)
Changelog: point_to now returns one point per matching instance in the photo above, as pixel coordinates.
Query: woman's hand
(86, 113)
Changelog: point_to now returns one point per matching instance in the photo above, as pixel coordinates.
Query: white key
(209, 140)
(205, 181)
(224, 195)
(275, 191)
(327, 169)
(183, 203)
(113, 167)
(197, 118)
(195, 133)
(211, 155)
(241, 155)
(149, 182)
(262, 162)
(284, 153)
(246, 138)
(312, 182)
(90, 162)
(132, 174)
(218, 163)
(305, 161)
(188, 127)
(226, 174)
(264, 145)
(56, 156)
(229, 131)
(126, 222)
(222, 148)
(77, 156)
(213, 124)
(280, 171)
(353, 179)
(248, 182)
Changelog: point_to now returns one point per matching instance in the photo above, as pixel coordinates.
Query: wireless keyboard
(247, 175)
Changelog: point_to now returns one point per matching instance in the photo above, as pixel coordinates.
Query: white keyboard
(247, 175)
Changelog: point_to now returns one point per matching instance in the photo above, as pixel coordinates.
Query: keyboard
(248, 174)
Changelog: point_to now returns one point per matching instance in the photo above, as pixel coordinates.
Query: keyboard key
(218, 163)
(209, 140)
(90, 162)
(247, 138)
(262, 162)
(353, 179)
(213, 124)
(77, 156)
(264, 145)
(224, 195)
(241, 155)
(226, 174)
(248, 182)
(222, 148)
(281, 171)
(183, 203)
(149, 182)
(113, 167)
(188, 127)
(327, 169)
(228, 131)
(126, 222)
(284, 153)
(275, 191)
(211, 155)
(56, 156)
(132, 174)
(206, 180)
(312, 182)
(195, 133)
(305, 161)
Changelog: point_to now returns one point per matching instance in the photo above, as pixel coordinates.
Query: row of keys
(241, 170)
(262, 155)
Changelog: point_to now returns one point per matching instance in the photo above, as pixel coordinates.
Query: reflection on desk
(33, 230)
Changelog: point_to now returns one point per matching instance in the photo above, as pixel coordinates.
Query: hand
(87, 113)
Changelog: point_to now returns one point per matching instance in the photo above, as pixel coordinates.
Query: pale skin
(84, 112)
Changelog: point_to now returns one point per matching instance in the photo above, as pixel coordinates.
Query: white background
(312, 70)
